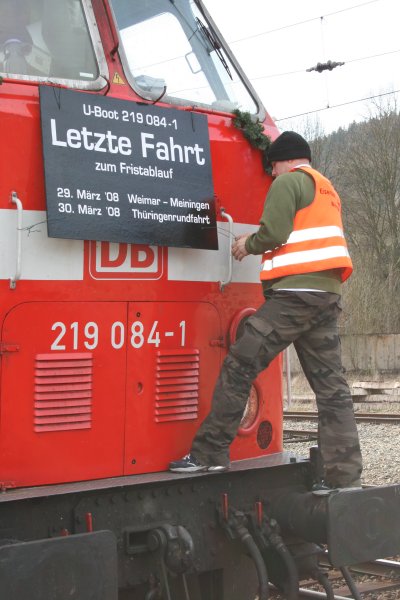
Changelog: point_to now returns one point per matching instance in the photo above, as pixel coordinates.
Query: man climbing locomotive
(305, 260)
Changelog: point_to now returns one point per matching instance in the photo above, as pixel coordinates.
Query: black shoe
(188, 464)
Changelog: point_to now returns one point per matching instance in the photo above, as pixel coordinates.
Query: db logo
(125, 261)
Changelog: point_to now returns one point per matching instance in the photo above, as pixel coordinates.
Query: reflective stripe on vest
(312, 248)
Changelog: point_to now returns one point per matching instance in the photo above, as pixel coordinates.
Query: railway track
(299, 435)
(372, 580)
(367, 417)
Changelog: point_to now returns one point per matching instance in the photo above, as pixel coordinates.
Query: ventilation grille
(63, 392)
(177, 385)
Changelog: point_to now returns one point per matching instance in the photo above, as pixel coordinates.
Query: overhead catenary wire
(301, 22)
(323, 54)
(310, 112)
(322, 67)
(352, 60)
(302, 71)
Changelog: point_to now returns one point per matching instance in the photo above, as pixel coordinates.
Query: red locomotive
(123, 181)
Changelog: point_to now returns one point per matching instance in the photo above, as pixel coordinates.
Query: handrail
(228, 217)
(15, 200)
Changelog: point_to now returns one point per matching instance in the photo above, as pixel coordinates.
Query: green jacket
(288, 193)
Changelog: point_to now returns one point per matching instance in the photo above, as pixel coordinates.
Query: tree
(368, 181)
(363, 162)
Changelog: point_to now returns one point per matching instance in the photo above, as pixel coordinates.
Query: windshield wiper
(210, 38)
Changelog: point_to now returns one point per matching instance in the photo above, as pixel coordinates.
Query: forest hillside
(363, 162)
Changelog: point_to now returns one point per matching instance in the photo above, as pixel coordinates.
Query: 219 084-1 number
(75, 335)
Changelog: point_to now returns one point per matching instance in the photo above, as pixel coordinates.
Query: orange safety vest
(317, 241)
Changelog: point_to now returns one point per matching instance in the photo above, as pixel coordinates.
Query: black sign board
(121, 171)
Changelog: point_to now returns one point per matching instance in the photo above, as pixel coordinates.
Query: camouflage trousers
(309, 321)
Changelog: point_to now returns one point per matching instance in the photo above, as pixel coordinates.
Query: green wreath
(253, 131)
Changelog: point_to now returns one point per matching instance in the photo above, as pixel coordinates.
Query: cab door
(62, 392)
(173, 358)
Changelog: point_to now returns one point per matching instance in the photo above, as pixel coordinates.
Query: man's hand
(238, 247)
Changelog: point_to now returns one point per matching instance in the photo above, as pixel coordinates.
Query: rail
(299, 435)
(383, 576)
(369, 417)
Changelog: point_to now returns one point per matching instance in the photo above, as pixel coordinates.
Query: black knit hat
(287, 146)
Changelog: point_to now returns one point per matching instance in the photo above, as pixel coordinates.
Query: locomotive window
(47, 40)
(170, 52)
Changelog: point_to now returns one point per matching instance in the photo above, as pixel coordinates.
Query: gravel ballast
(380, 446)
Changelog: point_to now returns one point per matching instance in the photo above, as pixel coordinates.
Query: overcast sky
(275, 42)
